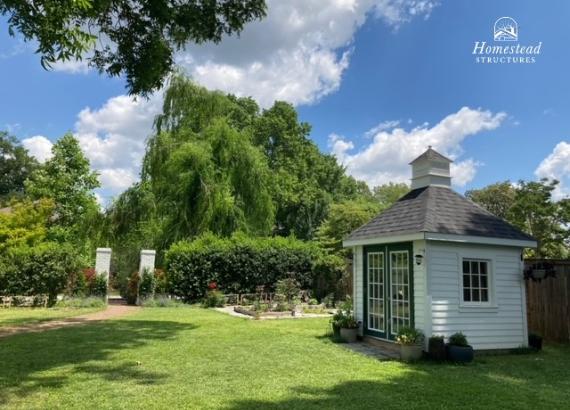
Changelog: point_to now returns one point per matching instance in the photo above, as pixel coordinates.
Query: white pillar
(103, 262)
(147, 260)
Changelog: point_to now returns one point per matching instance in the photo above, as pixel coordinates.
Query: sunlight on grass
(197, 358)
(27, 315)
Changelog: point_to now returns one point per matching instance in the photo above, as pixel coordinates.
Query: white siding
(503, 325)
(358, 283)
(420, 287)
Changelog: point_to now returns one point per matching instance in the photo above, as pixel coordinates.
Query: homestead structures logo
(503, 49)
(506, 29)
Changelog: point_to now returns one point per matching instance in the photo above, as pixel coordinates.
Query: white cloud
(72, 66)
(39, 147)
(557, 166)
(298, 53)
(113, 138)
(386, 158)
(383, 126)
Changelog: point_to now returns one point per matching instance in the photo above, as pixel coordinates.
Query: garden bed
(250, 313)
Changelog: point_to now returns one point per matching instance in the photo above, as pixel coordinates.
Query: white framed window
(476, 284)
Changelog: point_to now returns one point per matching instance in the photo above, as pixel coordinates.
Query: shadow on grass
(509, 382)
(25, 356)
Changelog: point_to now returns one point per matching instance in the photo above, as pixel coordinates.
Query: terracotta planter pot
(348, 335)
(409, 353)
(460, 354)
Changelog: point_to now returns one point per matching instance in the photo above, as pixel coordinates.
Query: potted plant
(410, 341)
(436, 348)
(348, 328)
(535, 341)
(335, 323)
(458, 349)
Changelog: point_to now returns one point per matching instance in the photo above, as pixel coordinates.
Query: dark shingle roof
(432, 155)
(437, 210)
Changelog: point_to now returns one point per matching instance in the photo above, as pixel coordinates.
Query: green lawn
(196, 358)
(27, 315)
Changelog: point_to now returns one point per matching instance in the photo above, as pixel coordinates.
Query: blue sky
(348, 67)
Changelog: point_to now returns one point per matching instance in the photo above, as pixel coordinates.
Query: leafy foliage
(409, 336)
(496, 198)
(137, 39)
(16, 165)
(530, 207)
(68, 181)
(214, 298)
(42, 269)
(25, 225)
(343, 218)
(147, 285)
(458, 339)
(97, 286)
(239, 264)
(389, 193)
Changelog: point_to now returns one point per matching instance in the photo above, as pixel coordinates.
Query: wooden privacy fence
(548, 302)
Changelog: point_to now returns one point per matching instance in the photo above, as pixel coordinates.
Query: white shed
(438, 262)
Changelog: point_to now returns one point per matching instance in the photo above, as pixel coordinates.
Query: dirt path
(112, 312)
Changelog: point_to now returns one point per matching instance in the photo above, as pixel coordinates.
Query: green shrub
(458, 339)
(132, 294)
(97, 286)
(240, 264)
(289, 288)
(147, 286)
(214, 298)
(90, 302)
(77, 284)
(40, 270)
(313, 302)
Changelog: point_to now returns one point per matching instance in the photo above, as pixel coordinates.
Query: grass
(26, 315)
(197, 358)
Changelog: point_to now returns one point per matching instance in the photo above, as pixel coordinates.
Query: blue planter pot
(460, 354)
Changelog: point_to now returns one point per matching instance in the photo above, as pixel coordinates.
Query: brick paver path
(112, 311)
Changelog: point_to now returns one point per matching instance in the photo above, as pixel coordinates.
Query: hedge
(239, 264)
(40, 270)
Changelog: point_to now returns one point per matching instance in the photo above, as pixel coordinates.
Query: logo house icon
(506, 29)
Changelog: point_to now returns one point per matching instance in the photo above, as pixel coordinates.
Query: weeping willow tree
(201, 172)
(216, 163)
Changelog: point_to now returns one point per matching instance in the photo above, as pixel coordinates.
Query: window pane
(474, 281)
(465, 267)
(466, 281)
(483, 281)
(466, 295)
(484, 295)
(483, 267)
(475, 295)
(474, 267)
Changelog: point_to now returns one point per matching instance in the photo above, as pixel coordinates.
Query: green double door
(388, 289)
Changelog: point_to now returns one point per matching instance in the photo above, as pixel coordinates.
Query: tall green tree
(68, 181)
(548, 221)
(303, 181)
(136, 38)
(389, 193)
(16, 165)
(496, 198)
(343, 218)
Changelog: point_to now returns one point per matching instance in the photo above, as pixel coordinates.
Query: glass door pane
(400, 308)
(376, 316)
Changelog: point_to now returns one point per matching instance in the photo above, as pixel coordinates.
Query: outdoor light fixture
(419, 259)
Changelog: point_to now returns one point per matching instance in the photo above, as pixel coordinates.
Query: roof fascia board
(480, 240)
(382, 239)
